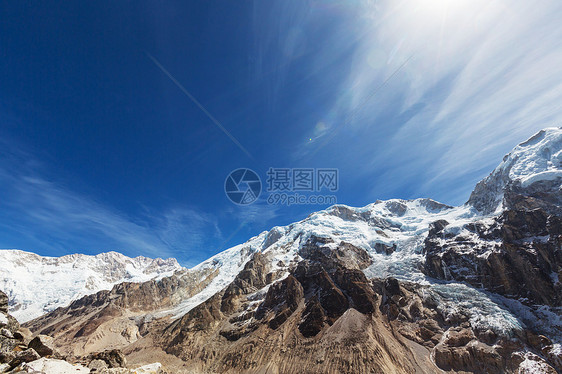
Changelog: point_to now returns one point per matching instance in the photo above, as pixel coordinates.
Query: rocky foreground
(22, 353)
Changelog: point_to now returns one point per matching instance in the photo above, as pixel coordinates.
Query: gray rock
(97, 365)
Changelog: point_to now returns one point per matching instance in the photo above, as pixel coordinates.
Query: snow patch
(3, 320)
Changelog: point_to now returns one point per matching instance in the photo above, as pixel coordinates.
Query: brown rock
(44, 345)
(113, 358)
(24, 356)
(459, 337)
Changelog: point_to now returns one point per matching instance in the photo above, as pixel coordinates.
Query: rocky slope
(395, 287)
(19, 353)
(68, 278)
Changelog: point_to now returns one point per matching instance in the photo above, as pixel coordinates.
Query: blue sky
(100, 150)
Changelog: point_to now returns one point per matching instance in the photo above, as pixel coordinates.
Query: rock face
(302, 324)
(3, 303)
(113, 358)
(13, 349)
(517, 254)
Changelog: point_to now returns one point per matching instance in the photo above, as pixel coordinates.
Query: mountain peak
(537, 162)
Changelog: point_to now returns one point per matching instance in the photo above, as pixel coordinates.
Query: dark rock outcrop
(518, 255)
(113, 358)
(44, 345)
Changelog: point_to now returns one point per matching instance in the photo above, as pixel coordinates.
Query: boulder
(44, 345)
(113, 358)
(24, 356)
(51, 365)
(97, 365)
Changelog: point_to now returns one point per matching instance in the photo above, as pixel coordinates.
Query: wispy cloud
(484, 76)
(48, 215)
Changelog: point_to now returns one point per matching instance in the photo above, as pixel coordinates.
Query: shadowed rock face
(322, 317)
(518, 255)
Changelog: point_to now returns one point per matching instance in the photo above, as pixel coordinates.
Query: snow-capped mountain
(36, 285)
(536, 162)
(396, 286)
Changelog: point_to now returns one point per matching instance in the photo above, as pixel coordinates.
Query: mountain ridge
(69, 277)
(406, 285)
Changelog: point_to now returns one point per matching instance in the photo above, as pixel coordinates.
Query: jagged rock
(282, 299)
(3, 302)
(316, 281)
(515, 256)
(10, 340)
(458, 337)
(383, 248)
(250, 279)
(358, 289)
(113, 358)
(44, 345)
(24, 356)
(7, 355)
(313, 318)
(321, 250)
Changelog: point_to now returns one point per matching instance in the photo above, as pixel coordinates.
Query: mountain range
(397, 286)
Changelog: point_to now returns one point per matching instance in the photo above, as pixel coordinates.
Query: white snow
(533, 364)
(556, 350)
(542, 153)
(36, 285)
(537, 159)
(3, 320)
(364, 227)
